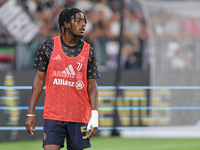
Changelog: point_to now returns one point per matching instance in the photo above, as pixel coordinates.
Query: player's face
(78, 24)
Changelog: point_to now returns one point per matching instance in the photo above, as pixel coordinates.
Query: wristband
(95, 114)
(93, 120)
(30, 115)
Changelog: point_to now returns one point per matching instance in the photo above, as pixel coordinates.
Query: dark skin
(74, 28)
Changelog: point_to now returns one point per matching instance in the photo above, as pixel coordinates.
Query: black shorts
(76, 134)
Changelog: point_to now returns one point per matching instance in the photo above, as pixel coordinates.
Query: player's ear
(67, 25)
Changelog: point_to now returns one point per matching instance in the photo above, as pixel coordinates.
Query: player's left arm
(93, 97)
(92, 75)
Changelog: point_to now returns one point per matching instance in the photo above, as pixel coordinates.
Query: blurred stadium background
(148, 56)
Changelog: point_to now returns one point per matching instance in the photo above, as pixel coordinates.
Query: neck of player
(70, 39)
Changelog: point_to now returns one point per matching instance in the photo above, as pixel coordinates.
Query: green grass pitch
(116, 143)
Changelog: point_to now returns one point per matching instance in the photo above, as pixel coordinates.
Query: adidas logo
(69, 70)
(67, 73)
(57, 58)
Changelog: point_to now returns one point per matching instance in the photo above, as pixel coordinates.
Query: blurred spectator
(30, 6)
(172, 27)
(112, 44)
(102, 6)
(190, 27)
(70, 3)
(161, 23)
(127, 58)
(158, 29)
(113, 27)
(47, 29)
(179, 56)
(100, 28)
(135, 33)
(182, 59)
(2, 1)
(84, 5)
(90, 35)
(132, 24)
(114, 5)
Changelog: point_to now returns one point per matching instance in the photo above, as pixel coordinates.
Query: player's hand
(94, 123)
(30, 124)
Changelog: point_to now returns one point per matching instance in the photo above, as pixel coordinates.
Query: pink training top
(66, 86)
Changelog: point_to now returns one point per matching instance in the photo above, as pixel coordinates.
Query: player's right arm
(37, 89)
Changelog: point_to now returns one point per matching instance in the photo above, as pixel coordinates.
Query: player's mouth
(82, 30)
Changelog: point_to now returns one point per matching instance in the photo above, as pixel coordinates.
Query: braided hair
(65, 16)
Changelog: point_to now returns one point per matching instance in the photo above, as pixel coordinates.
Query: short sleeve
(43, 56)
(92, 68)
